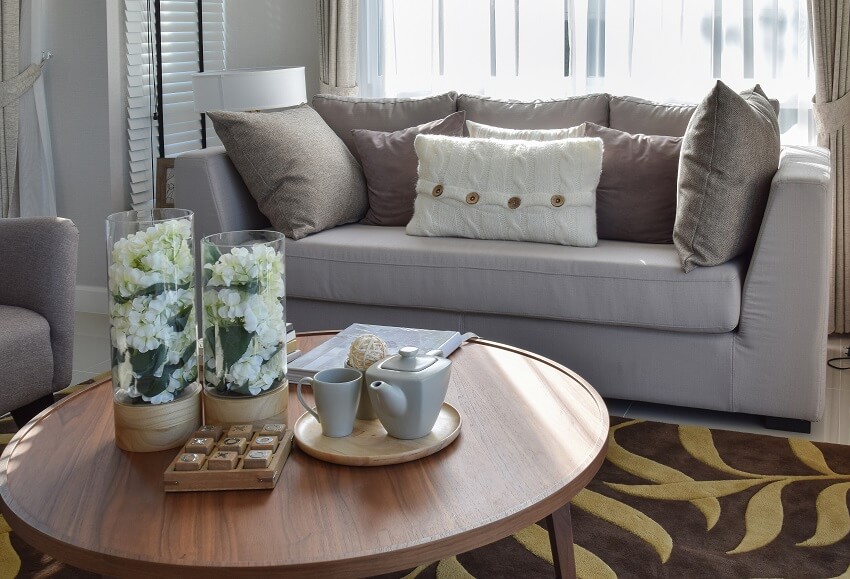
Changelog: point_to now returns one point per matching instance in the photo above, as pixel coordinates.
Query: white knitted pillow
(477, 130)
(543, 191)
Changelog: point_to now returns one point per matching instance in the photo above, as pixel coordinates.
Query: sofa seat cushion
(616, 282)
(26, 357)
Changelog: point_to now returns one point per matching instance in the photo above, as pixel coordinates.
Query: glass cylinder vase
(244, 315)
(151, 304)
(153, 334)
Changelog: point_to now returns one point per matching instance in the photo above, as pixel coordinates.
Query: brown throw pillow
(301, 174)
(343, 114)
(730, 153)
(390, 164)
(636, 195)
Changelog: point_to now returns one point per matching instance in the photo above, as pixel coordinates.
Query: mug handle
(306, 380)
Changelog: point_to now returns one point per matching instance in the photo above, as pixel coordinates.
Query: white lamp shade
(249, 89)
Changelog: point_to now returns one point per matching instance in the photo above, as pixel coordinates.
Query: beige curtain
(13, 84)
(338, 47)
(830, 31)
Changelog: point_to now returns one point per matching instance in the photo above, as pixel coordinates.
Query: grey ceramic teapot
(407, 391)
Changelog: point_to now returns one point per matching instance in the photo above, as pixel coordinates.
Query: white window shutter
(180, 57)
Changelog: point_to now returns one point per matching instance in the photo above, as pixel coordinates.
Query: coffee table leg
(561, 538)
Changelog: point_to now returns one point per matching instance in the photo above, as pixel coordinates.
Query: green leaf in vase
(234, 343)
(179, 321)
(146, 363)
(211, 254)
(150, 385)
(209, 340)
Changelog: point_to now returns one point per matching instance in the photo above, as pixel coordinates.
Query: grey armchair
(38, 270)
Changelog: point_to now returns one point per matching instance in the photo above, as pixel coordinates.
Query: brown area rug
(669, 501)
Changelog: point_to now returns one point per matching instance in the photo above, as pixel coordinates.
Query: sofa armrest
(206, 182)
(39, 272)
(779, 358)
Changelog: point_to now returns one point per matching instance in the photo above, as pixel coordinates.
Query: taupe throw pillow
(389, 165)
(730, 153)
(301, 174)
(636, 195)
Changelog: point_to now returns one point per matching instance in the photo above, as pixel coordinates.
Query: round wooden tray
(370, 445)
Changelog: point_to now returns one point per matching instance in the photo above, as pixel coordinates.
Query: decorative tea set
(379, 409)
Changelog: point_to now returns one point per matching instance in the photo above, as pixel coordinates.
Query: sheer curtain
(668, 50)
(35, 155)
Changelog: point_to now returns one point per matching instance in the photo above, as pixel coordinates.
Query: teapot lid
(408, 360)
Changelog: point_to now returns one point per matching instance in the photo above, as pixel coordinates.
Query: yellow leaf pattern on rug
(10, 563)
(687, 491)
(415, 573)
(656, 472)
(833, 517)
(810, 455)
(450, 568)
(589, 566)
(763, 519)
(699, 443)
(536, 540)
(627, 518)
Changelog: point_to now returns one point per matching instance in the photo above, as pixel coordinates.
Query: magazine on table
(334, 352)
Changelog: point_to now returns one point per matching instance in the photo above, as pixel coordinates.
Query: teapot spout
(390, 398)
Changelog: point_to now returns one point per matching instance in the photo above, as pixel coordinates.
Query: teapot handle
(437, 353)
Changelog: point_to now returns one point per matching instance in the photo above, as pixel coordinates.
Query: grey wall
(274, 33)
(83, 95)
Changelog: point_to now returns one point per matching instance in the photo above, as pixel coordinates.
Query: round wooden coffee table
(533, 435)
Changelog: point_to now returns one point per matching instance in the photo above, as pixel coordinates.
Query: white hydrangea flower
(242, 371)
(143, 262)
(245, 288)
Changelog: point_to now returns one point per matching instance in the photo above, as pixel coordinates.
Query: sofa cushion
(730, 154)
(636, 196)
(537, 114)
(543, 191)
(26, 357)
(635, 115)
(390, 166)
(639, 116)
(284, 158)
(617, 283)
(343, 114)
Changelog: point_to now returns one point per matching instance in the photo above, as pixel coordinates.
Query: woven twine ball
(365, 350)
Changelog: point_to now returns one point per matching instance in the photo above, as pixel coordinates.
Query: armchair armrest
(39, 272)
(207, 183)
(779, 357)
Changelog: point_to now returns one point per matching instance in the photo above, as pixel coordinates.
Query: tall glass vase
(244, 313)
(153, 334)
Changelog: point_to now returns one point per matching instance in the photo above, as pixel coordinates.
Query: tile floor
(91, 357)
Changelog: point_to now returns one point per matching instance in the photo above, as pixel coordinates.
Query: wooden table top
(534, 434)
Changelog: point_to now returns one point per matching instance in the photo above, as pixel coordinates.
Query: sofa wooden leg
(789, 424)
(27, 412)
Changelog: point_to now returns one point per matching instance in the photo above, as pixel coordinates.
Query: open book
(334, 352)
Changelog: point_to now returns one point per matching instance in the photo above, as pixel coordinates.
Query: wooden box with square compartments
(218, 458)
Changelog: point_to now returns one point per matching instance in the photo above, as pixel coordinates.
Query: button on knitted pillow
(507, 189)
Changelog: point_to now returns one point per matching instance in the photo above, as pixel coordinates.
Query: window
(164, 123)
(668, 50)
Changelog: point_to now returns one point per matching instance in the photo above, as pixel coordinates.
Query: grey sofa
(38, 268)
(747, 336)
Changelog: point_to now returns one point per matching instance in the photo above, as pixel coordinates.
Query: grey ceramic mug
(337, 394)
